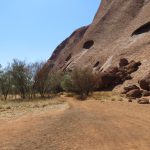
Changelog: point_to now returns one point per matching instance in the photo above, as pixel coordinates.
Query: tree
(54, 82)
(66, 83)
(35, 78)
(41, 83)
(21, 76)
(81, 81)
(5, 83)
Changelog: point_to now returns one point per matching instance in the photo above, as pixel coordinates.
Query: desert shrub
(47, 82)
(120, 99)
(70, 94)
(21, 77)
(5, 83)
(66, 83)
(41, 83)
(54, 82)
(81, 81)
(113, 99)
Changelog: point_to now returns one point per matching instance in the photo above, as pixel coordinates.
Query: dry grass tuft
(70, 94)
(108, 96)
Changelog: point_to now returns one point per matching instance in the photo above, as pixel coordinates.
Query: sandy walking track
(89, 125)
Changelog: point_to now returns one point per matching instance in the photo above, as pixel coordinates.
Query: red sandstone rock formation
(120, 29)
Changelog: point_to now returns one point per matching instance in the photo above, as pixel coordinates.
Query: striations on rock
(120, 29)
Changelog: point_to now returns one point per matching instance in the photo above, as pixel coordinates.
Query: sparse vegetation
(5, 83)
(82, 82)
(113, 99)
(107, 96)
(21, 78)
(16, 108)
(29, 81)
(55, 80)
(41, 83)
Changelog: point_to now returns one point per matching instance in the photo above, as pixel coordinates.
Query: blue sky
(31, 29)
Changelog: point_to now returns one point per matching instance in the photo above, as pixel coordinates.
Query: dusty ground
(13, 109)
(88, 125)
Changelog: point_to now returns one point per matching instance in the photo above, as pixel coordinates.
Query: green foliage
(21, 77)
(27, 80)
(55, 82)
(66, 83)
(80, 81)
(5, 83)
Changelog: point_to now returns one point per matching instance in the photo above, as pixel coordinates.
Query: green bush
(54, 80)
(66, 83)
(81, 81)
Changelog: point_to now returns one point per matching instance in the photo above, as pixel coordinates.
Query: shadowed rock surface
(114, 76)
(136, 93)
(129, 88)
(145, 82)
(143, 101)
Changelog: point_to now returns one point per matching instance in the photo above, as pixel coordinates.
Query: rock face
(136, 93)
(145, 82)
(146, 93)
(120, 29)
(123, 62)
(117, 75)
(130, 88)
(143, 101)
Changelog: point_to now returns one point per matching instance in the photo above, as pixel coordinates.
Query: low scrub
(82, 82)
(108, 96)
